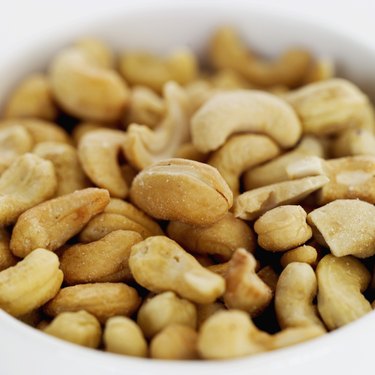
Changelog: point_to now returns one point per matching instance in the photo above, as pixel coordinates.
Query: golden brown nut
(321, 70)
(220, 239)
(353, 142)
(103, 300)
(182, 190)
(189, 151)
(204, 311)
(154, 261)
(105, 260)
(7, 259)
(269, 276)
(302, 254)
(51, 223)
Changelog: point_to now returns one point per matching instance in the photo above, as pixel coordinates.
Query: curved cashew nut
(98, 152)
(160, 264)
(330, 106)
(341, 282)
(240, 153)
(244, 289)
(85, 85)
(244, 110)
(295, 291)
(144, 146)
(347, 226)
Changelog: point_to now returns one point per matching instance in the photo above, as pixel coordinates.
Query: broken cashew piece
(244, 110)
(254, 203)
(144, 146)
(244, 289)
(295, 291)
(341, 282)
(98, 152)
(302, 254)
(183, 190)
(30, 283)
(154, 261)
(347, 227)
(85, 84)
(51, 223)
(79, 328)
(240, 153)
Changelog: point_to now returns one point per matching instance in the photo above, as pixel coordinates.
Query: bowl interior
(160, 28)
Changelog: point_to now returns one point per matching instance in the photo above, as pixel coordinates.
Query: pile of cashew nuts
(153, 208)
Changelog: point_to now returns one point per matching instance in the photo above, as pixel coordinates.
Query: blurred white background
(24, 21)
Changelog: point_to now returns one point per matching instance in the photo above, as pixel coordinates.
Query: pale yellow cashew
(85, 84)
(321, 70)
(160, 264)
(144, 146)
(295, 291)
(303, 254)
(123, 336)
(30, 283)
(98, 152)
(341, 282)
(244, 111)
(165, 309)
(330, 106)
(189, 151)
(353, 142)
(80, 328)
(240, 153)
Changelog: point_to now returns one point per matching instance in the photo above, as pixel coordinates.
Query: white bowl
(160, 26)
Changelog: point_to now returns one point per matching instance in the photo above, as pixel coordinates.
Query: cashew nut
(51, 223)
(103, 300)
(347, 227)
(244, 110)
(244, 289)
(7, 259)
(282, 228)
(123, 336)
(330, 106)
(295, 292)
(98, 152)
(240, 153)
(204, 311)
(144, 146)
(341, 282)
(79, 328)
(183, 190)
(353, 142)
(189, 151)
(32, 98)
(321, 70)
(254, 203)
(220, 239)
(82, 128)
(165, 309)
(227, 50)
(269, 276)
(85, 85)
(302, 254)
(30, 283)
(160, 264)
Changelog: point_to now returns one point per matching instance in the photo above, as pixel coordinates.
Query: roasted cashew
(123, 336)
(51, 223)
(227, 50)
(220, 239)
(295, 292)
(103, 300)
(330, 106)
(204, 311)
(64, 157)
(189, 151)
(165, 309)
(244, 110)
(353, 142)
(282, 228)
(30, 283)
(341, 282)
(269, 276)
(275, 170)
(79, 328)
(152, 71)
(7, 259)
(183, 190)
(32, 98)
(302, 254)
(85, 85)
(98, 152)
(347, 227)
(144, 146)
(321, 70)
(240, 153)
(160, 264)
(175, 342)
(28, 181)
(244, 289)
(253, 203)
